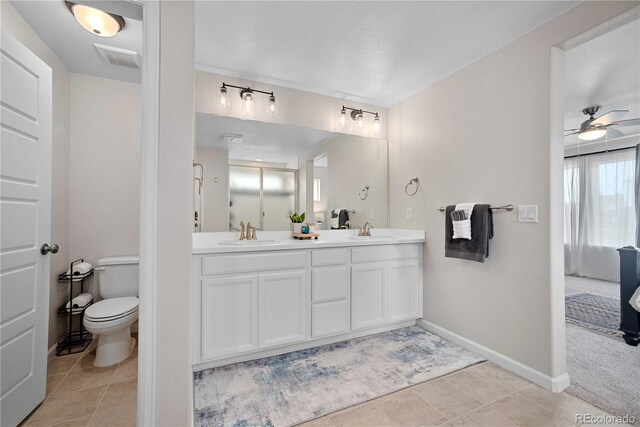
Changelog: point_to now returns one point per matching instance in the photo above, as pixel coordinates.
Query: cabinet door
(228, 322)
(283, 307)
(330, 318)
(329, 283)
(402, 292)
(367, 296)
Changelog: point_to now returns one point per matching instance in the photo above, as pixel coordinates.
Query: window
(317, 190)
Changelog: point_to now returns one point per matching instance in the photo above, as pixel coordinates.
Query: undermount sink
(372, 237)
(264, 242)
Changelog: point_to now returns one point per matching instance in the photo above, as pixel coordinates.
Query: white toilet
(111, 318)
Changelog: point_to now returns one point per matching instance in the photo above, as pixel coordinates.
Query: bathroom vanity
(276, 294)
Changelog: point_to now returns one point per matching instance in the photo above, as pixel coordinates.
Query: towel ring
(365, 190)
(406, 187)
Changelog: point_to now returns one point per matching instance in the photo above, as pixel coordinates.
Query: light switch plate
(409, 214)
(528, 213)
(372, 213)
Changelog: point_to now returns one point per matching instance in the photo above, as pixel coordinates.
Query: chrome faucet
(243, 236)
(253, 233)
(365, 230)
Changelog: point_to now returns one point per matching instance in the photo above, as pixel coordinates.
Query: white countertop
(210, 243)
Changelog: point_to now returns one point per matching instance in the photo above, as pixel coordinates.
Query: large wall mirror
(259, 172)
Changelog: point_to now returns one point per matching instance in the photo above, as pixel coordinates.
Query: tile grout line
(533, 401)
(93, 414)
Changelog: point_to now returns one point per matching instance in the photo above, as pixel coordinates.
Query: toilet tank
(118, 276)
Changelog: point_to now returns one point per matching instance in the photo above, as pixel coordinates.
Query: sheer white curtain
(599, 195)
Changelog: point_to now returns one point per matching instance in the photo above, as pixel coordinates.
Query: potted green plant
(297, 220)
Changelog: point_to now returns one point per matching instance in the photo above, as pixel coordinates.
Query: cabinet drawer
(384, 253)
(329, 283)
(243, 262)
(328, 257)
(329, 318)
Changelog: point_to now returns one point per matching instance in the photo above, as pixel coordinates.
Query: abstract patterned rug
(594, 312)
(294, 387)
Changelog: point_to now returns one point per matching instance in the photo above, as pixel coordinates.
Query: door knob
(45, 249)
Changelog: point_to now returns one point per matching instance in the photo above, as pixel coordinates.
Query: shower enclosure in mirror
(264, 196)
(263, 172)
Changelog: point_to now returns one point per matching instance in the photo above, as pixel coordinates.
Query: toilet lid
(112, 308)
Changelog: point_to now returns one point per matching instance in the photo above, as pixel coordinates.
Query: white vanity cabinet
(383, 285)
(330, 292)
(255, 304)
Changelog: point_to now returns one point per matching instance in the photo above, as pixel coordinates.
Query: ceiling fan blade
(628, 122)
(614, 133)
(571, 130)
(572, 133)
(609, 117)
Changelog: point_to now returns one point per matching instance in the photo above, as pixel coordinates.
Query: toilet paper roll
(80, 269)
(78, 303)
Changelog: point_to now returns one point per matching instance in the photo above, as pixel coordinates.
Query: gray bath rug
(594, 312)
(294, 387)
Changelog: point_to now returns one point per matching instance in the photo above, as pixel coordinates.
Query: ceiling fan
(595, 128)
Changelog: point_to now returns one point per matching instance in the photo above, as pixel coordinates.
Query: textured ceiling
(53, 22)
(604, 71)
(373, 52)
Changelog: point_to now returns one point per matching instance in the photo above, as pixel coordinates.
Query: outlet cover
(409, 214)
(528, 213)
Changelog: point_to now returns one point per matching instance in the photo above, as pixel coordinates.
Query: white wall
(15, 25)
(483, 135)
(215, 195)
(353, 162)
(174, 378)
(295, 107)
(105, 171)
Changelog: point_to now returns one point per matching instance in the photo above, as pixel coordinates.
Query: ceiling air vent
(117, 56)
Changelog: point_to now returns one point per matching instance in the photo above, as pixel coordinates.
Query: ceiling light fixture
(357, 115)
(247, 95)
(591, 133)
(96, 21)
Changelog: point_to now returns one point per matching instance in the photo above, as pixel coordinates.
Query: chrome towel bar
(508, 207)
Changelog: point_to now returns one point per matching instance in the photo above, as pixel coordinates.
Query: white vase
(297, 227)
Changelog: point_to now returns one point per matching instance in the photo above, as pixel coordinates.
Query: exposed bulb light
(360, 120)
(343, 117)
(96, 21)
(376, 124)
(592, 133)
(224, 97)
(272, 105)
(247, 97)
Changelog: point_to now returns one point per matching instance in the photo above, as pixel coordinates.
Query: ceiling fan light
(96, 21)
(592, 134)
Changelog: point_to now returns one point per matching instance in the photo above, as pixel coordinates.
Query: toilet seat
(111, 309)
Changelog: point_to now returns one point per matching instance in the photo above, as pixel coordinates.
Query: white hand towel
(80, 269)
(635, 300)
(78, 303)
(462, 229)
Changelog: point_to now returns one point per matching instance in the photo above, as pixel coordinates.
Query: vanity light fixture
(247, 95)
(96, 21)
(357, 115)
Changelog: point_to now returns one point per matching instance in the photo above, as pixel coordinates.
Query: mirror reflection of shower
(198, 181)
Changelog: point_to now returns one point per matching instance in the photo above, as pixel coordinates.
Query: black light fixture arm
(248, 89)
(360, 110)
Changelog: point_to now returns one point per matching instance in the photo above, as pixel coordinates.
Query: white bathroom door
(25, 221)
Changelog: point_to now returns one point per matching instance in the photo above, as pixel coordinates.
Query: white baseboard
(555, 384)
